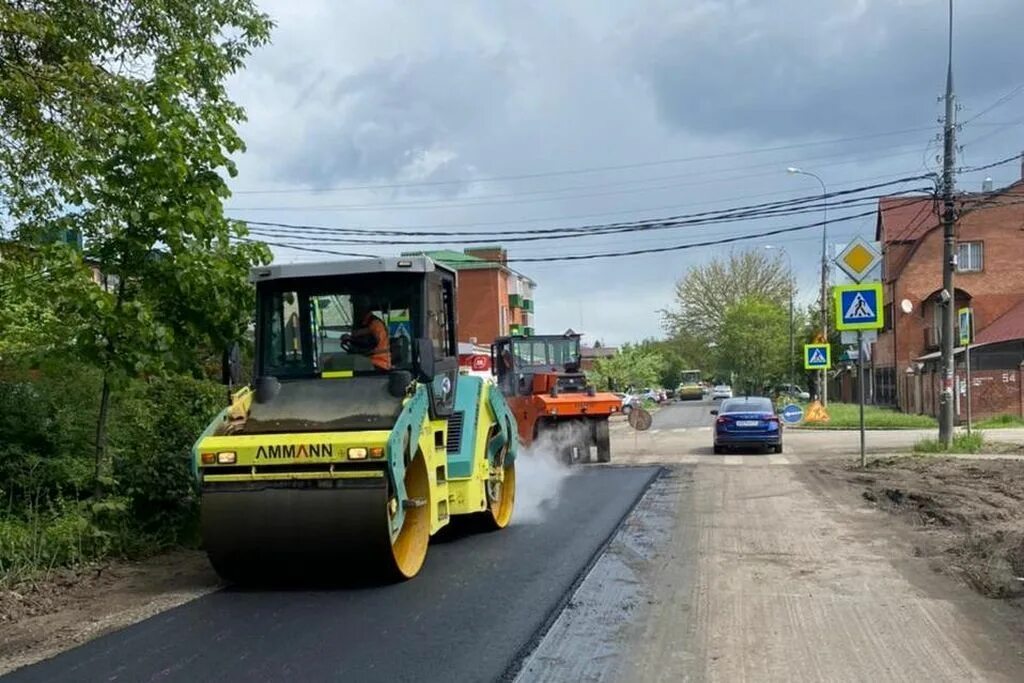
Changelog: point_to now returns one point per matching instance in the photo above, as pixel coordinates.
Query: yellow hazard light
(226, 458)
(377, 452)
(357, 454)
(209, 458)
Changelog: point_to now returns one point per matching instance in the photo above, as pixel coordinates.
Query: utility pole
(948, 251)
(823, 389)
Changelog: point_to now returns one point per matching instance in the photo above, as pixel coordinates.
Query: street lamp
(792, 348)
(824, 269)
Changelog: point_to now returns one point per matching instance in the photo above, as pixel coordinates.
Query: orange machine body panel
(529, 409)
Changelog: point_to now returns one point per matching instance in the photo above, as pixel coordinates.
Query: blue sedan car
(748, 422)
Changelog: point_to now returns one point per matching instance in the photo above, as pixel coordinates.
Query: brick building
(493, 300)
(989, 280)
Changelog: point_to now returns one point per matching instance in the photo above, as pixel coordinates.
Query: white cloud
(383, 92)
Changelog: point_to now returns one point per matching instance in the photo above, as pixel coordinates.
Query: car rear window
(747, 405)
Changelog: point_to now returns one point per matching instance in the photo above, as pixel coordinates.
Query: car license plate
(746, 423)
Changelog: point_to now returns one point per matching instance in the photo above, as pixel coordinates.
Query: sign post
(817, 357)
(966, 320)
(859, 308)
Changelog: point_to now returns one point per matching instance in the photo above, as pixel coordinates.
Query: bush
(962, 443)
(60, 533)
(47, 427)
(156, 424)
(47, 455)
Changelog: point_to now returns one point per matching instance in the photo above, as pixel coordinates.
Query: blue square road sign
(859, 307)
(817, 356)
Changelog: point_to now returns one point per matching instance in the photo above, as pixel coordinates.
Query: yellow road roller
(358, 439)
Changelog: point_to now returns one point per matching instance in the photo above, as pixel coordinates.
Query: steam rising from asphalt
(541, 473)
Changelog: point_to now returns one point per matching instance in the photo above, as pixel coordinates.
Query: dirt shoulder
(38, 619)
(967, 514)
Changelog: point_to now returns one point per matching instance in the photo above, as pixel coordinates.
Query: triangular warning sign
(859, 309)
(816, 413)
(818, 357)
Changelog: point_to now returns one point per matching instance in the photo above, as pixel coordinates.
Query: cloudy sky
(495, 117)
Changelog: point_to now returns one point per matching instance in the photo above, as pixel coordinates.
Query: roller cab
(358, 439)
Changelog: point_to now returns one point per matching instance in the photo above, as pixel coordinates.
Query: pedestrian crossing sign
(817, 356)
(859, 307)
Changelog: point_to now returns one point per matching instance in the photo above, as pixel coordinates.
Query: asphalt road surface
(689, 414)
(472, 613)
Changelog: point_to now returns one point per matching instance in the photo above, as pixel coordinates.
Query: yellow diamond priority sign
(858, 259)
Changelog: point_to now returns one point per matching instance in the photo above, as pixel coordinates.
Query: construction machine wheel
(409, 549)
(602, 438)
(271, 534)
(501, 499)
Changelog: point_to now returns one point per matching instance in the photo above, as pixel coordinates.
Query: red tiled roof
(1007, 327)
(905, 219)
(909, 218)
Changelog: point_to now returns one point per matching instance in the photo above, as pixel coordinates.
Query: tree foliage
(754, 343)
(707, 291)
(633, 366)
(115, 125)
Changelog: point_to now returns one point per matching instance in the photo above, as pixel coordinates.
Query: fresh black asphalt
(688, 414)
(475, 608)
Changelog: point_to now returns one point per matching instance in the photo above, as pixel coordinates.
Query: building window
(970, 257)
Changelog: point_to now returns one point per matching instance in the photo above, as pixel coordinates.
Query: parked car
(748, 422)
(656, 395)
(793, 391)
(628, 403)
(721, 391)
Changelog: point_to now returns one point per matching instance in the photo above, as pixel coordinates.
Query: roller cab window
(336, 327)
(546, 353)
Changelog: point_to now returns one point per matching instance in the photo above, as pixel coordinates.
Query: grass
(1000, 422)
(847, 416)
(962, 443)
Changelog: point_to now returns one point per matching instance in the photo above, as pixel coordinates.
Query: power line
(516, 197)
(1001, 101)
(735, 216)
(585, 228)
(1001, 162)
(578, 171)
(637, 252)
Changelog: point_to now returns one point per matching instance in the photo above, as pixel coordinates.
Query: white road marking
(733, 460)
(680, 430)
(778, 460)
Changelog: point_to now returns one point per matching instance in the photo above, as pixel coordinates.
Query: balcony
(515, 301)
(515, 330)
(528, 305)
(528, 331)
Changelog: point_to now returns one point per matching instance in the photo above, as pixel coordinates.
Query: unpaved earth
(968, 514)
(41, 618)
(777, 568)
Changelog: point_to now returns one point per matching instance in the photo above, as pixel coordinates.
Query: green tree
(115, 124)
(633, 366)
(754, 343)
(707, 291)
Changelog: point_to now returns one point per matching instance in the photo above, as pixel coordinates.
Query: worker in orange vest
(371, 337)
